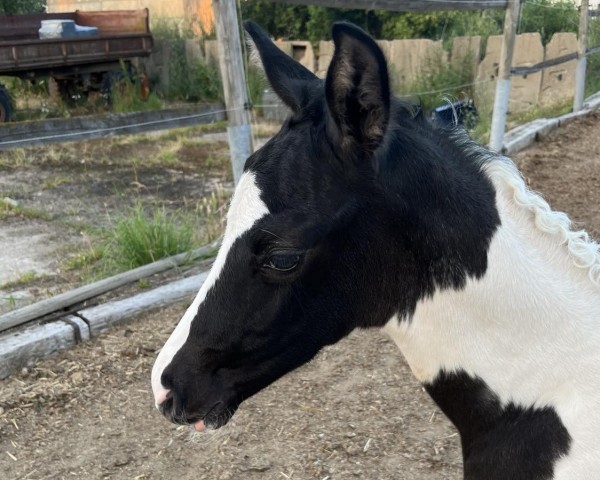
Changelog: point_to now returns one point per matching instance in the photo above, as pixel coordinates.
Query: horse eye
(283, 263)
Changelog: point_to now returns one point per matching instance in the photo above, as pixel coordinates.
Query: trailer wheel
(71, 93)
(5, 105)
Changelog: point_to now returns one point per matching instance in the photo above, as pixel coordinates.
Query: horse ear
(287, 77)
(358, 89)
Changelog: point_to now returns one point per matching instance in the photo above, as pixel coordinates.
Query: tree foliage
(313, 23)
(548, 17)
(14, 7)
(443, 25)
(294, 22)
(281, 21)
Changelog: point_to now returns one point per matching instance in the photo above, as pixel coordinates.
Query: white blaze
(245, 209)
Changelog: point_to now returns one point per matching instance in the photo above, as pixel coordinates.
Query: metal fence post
(581, 58)
(503, 83)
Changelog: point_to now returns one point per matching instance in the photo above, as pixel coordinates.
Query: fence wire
(74, 135)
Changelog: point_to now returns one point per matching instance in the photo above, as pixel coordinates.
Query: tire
(115, 80)
(71, 93)
(110, 82)
(5, 105)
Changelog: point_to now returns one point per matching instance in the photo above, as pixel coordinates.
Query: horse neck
(532, 311)
(537, 257)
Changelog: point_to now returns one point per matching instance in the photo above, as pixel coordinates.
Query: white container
(57, 28)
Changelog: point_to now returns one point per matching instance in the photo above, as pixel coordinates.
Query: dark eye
(283, 262)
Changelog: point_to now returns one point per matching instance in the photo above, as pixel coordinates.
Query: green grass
(545, 111)
(444, 79)
(144, 235)
(85, 259)
(9, 210)
(168, 158)
(14, 158)
(55, 181)
(23, 279)
(126, 97)
(190, 133)
(592, 77)
(481, 131)
(12, 302)
(139, 237)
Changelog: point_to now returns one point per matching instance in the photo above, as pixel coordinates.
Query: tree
(299, 22)
(549, 17)
(441, 25)
(281, 21)
(309, 22)
(12, 7)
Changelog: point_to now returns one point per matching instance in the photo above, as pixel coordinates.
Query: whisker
(271, 233)
(213, 436)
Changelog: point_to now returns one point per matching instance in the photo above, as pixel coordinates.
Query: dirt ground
(68, 196)
(353, 412)
(565, 169)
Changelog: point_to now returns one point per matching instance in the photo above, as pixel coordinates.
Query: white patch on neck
(530, 328)
(246, 208)
(584, 252)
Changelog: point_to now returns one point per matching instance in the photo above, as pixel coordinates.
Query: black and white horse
(360, 213)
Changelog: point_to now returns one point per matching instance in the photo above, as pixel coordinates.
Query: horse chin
(216, 418)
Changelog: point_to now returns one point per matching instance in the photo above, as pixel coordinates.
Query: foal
(359, 213)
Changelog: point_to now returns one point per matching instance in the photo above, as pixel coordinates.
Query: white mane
(584, 252)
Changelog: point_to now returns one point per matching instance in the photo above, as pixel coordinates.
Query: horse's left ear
(358, 89)
(287, 77)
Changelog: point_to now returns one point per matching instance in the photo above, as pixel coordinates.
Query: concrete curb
(22, 348)
(523, 136)
(38, 132)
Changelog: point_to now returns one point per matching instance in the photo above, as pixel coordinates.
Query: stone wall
(559, 81)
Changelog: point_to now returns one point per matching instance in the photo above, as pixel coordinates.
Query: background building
(197, 14)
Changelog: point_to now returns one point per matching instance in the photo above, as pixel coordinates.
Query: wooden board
(65, 301)
(103, 316)
(22, 348)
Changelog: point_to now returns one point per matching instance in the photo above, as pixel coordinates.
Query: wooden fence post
(511, 20)
(581, 58)
(234, 84)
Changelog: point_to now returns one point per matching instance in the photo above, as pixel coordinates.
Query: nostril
(162, 396)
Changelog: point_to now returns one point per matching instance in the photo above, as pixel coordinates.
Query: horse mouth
(216, 416)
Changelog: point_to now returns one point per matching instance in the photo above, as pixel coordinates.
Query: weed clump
(139, 238)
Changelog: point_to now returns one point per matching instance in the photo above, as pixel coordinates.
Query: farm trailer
(78, 65)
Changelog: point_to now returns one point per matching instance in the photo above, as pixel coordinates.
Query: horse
(360, 213)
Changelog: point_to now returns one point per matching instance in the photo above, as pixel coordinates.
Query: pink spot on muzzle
(199, 426)
(161, 396)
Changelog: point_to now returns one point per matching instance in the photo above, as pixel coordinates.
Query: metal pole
(511, 20)
(581, 58)
(234, 84)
